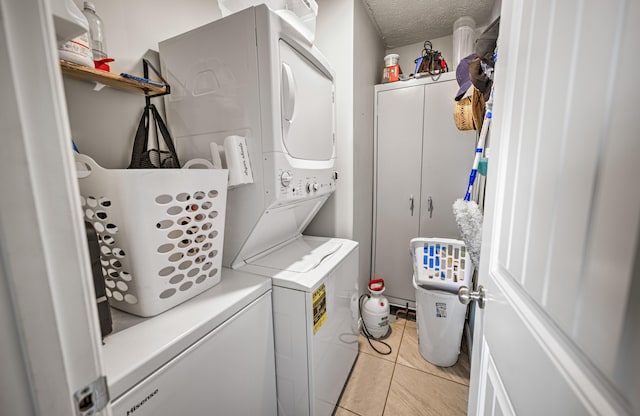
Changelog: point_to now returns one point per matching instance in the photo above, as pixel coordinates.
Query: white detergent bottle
(77, 50)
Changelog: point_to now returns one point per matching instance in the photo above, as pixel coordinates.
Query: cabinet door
(229, 371)
(446, 161)
(399, 157)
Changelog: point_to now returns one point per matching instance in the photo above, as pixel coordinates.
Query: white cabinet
(229, 371)
(422, 166)
(211, 354)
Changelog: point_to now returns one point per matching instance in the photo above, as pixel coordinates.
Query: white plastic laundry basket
(441, 263)
(440, 267)
(160, 232)
(440, 321)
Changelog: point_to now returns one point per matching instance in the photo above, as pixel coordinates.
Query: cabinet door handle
(411, 204)
(430, 206)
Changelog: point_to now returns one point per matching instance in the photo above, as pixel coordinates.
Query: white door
(560, 332)
(306, 92)
(49, 339)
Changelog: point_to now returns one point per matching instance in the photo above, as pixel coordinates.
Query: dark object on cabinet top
(487, 41)
(479, 78)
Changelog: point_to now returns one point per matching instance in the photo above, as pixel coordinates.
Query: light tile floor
(404, 383)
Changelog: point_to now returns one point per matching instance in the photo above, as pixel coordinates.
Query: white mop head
(469, 219)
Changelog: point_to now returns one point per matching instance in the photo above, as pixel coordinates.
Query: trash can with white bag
(441, 266)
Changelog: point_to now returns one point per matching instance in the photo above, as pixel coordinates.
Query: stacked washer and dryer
(254, 75)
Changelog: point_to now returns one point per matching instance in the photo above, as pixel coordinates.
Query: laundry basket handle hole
(83, 169)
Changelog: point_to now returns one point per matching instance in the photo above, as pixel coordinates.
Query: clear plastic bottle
(96, 32)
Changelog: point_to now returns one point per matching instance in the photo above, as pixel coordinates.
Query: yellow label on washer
(319, 297)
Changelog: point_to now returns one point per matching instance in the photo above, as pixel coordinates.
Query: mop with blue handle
(467, 212)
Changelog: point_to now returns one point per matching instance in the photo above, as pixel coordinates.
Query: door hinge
(92, 398)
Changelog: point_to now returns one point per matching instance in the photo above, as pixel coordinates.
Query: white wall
(495, 12)
(352, 45)
(132, 27)
(103, 123)
(334, 37)
(368, 53)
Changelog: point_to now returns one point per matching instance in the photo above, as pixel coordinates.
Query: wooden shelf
(84, 73)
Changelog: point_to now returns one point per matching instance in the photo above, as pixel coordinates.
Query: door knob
(465, 296)
(430, 206)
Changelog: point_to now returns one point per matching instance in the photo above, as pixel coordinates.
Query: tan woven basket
(463, 114)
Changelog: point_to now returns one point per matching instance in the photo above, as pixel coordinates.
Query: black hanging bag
(431, 61)
(144, 157)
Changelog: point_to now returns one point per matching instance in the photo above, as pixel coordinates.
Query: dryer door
(307, 107)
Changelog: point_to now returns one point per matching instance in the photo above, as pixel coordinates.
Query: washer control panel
(294, 180)
(301, 183)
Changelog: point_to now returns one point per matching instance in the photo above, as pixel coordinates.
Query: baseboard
(406, 312)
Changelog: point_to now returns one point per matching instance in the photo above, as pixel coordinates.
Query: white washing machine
(252, 74)
(315, 318)
(211, 355)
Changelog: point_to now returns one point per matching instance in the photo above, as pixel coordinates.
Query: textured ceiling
(404, 22)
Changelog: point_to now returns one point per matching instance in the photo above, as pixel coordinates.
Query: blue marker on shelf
(145, 80)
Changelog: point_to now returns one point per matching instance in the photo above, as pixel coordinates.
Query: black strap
(165, 135)
(140, 157)
(141, 140)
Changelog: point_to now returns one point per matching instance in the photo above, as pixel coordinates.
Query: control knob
(285, 178)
